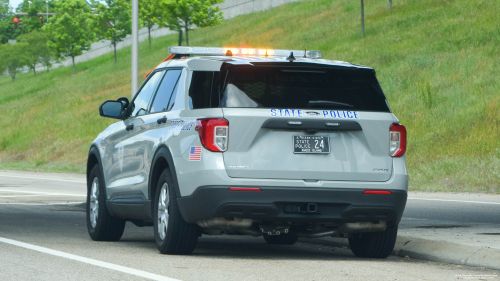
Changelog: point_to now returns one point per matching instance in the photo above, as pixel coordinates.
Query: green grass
(437, 60)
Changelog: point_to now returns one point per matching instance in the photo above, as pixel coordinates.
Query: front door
(150, 118)
(125, 174)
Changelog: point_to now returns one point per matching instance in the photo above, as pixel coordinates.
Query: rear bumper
(278, 204)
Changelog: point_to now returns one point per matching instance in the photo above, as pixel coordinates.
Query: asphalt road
(43, 237)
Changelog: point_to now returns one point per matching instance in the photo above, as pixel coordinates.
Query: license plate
(311, 144)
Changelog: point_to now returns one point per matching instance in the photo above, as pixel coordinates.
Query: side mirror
(114, 109)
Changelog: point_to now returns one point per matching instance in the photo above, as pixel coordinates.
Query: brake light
(386, 192)
(214, 133)
(397, 146)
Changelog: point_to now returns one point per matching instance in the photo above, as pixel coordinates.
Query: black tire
(105, 227)
(374, 244)
(180, 237)
(282, 239)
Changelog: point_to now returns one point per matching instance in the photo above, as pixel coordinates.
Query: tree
(46, 58)
(149, 15)
(178, 14)
(39, 5)
(3, 59)
(69, 32)
(14, 58)
(32, 21)
(113, 21)
(5, 10)
(7, 31)
(37, 42)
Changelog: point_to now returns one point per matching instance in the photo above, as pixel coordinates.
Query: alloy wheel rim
(94, 202)
(163, 204)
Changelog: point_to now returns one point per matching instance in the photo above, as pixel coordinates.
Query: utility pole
(47, 10)
(390, 4)
(135, 47)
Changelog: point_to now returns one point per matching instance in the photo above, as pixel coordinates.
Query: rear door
(306, 123)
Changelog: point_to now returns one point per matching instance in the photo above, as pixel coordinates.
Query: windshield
(299, 87)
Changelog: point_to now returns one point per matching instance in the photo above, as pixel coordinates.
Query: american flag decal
(195, 153)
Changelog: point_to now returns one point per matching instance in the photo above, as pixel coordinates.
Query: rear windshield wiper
(327, 104)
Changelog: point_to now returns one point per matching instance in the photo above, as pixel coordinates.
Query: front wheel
(100, 224)
(374, 244)
(173, 235)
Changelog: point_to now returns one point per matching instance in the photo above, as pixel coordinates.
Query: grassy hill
(438, 62)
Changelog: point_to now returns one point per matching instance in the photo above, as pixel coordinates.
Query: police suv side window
(142, 99)
(164, 95)
(203, 91)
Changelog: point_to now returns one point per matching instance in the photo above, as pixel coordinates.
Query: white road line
(460, 201)
(44, 193)
(41, 179)
(25, 195)
(111, 266)
(42, 204)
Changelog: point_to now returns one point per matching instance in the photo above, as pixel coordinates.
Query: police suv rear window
(299, 87)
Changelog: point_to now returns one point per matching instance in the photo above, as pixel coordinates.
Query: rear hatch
(304, 122)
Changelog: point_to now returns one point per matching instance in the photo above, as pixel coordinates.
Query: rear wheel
(374, 244)
(283, 239)
(100, 224)
(173, 235)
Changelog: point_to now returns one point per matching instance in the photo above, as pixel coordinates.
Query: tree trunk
(13, 75)
(390, 4)
(34, 69)
(149, 35)
(73, 59)
(114, 47)
(180, 37)
(187, 37)
(47, 68)
(362, 18)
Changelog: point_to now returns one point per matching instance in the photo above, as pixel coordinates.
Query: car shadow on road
(245, 247)
(242, 247)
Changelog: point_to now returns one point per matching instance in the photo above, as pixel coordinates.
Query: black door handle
(162, 120)
(129, 127)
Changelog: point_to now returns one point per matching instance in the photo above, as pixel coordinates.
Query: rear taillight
(380, 192)
(214, 133)
(397, 146)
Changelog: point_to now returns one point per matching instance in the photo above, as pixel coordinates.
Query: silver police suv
(261, 142)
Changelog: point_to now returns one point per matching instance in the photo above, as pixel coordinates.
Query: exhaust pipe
(319, 234)
(222, 223)
(358, 227)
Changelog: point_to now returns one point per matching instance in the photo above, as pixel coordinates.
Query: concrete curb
(431, 250)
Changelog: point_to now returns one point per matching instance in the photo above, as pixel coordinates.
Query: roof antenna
(291, 58)
(266, 53)
(229, 53)
(305, 52)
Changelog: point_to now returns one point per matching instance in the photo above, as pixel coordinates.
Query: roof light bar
(214, 51)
